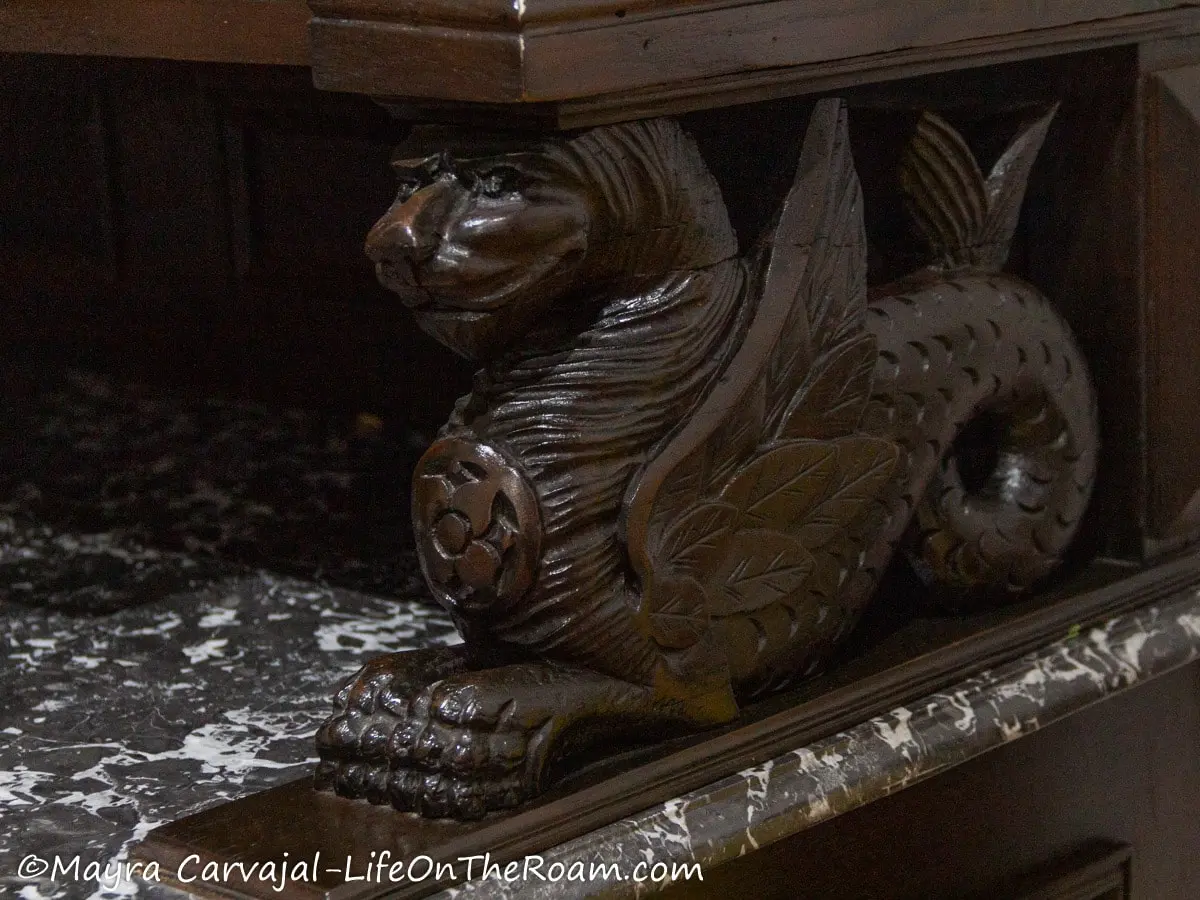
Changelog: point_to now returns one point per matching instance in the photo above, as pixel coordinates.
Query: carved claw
(465, 744)
(368, 706)
(386, 681)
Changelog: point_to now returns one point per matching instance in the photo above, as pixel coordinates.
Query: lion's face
(480, 248)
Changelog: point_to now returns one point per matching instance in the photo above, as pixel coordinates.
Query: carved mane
(660, 208)
(583, 414)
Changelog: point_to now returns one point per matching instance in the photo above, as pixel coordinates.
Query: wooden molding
(583, 63)
(1099, 871)
(559, 52)
(232, 31)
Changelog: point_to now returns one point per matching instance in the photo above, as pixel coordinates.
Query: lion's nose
(409, 230)
(395, 238)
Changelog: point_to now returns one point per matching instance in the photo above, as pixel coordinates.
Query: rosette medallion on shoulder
(478, 527)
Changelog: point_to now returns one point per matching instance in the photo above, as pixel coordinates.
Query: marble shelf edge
(653, 801)
(804, 787)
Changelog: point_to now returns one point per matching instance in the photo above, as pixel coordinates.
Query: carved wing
(751, 500)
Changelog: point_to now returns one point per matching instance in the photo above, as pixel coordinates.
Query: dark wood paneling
(204, 225)
(1126, 771)
(1083, 247)
(1112, 236)
(308, 175)
(57, 226)
(173, 253)
(1173, 300)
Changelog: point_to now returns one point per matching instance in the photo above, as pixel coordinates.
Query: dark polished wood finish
(234, 31)
(1112, 245)
(1172, 275)
(616, 574)
(202, 226)
(551, 50)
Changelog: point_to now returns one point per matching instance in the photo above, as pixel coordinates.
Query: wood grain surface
(579, 50)
(245, 31)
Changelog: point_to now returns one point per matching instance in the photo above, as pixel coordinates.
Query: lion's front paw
(464, 745)
(459, 747)
(368, 706)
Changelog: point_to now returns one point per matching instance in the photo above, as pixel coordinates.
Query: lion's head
(483, 245)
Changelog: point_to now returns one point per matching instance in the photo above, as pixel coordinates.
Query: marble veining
(111, 726)
(182, 584)
(112, 494)
(785, 795)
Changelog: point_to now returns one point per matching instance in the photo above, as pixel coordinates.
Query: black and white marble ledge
(111, 726)
(107, 732)
(812, 784)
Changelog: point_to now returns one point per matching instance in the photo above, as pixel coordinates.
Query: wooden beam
(593, 48)
(229, 31)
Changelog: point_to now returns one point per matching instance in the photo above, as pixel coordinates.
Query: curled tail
(968, 220)
(980, 381)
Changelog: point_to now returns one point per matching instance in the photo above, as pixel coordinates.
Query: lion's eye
(406, 187)
(499, 181)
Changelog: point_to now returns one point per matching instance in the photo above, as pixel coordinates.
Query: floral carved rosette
(478, 527)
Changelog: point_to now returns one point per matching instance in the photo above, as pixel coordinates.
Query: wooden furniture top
(624, 56)
(230, 31)
(506, 51)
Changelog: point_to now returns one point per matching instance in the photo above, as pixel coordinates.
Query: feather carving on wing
(754, 499)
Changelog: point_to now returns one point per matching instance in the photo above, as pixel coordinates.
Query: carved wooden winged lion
(681, 473)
